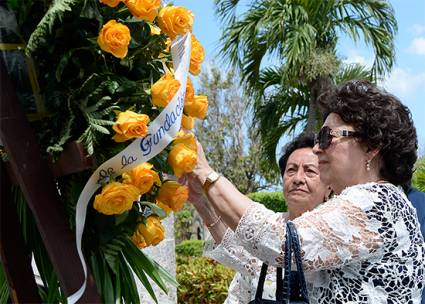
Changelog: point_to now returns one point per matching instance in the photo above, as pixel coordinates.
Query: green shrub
(418, 180)
(202, 280)
(271, 200)
(192, 248)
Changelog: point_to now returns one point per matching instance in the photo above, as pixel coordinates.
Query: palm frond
(55, 12)
(352, 72)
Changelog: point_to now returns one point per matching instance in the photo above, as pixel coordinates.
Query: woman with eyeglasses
(364, 245)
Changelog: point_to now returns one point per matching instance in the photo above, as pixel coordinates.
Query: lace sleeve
(339, 231)
(231, 254)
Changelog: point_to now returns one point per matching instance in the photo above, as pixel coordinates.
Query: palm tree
(302, 35)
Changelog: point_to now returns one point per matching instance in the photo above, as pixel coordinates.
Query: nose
(317, 150)
(299, 177)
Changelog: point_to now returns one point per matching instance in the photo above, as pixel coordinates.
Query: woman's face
(303, 189)
(343, 163)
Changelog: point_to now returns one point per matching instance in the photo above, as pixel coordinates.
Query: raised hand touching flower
(116, 198)
(143, 9)
(130, 125)
(197, 56)
(164, 90)
(114, 38)
(172, 196)
(175, 20)
(143, 177)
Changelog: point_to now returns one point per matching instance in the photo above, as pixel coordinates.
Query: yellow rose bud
(142, 177)
(190, 92)
(130, 125)
(182, 159)
(175, 20)
(164, 90)
(114, 38)
(186, 138)
(143, 9)
(197, 56)
(110, 3)
(173, 195)
(116, 198)
(197, 107)
(188, 122)
(152, 232)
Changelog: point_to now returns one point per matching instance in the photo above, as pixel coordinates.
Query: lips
(298, 190)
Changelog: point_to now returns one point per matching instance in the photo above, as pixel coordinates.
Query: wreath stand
(36, 180)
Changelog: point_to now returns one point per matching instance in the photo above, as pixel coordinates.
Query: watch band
(211, 179)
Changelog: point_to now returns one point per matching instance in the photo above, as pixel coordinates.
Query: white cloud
(417, 46)
(354, 57)
(404, 83)
(418, 29)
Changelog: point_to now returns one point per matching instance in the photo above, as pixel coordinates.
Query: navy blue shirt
(418, 201)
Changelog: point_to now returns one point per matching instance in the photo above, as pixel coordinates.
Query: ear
(372, 153)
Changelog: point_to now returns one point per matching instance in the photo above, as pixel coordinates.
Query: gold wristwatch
(211, 179)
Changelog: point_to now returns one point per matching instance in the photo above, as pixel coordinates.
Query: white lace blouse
(363, 246)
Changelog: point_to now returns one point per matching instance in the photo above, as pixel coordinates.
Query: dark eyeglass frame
(326, 134)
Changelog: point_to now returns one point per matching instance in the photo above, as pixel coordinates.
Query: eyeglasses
(324, 138)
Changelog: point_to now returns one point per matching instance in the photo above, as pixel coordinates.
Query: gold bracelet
(215, 223)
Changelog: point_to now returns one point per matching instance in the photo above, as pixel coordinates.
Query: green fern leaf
(56, 11)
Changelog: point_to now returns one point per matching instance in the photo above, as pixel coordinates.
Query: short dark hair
(382, 121)
(304, 140)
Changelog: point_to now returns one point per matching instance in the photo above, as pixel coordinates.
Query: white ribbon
(161, 132)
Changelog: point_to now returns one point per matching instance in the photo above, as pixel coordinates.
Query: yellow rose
(114, 38)
(130, 125)
(152, 231)
(172, 195)
(197, 56)
(188, 122)
(142, 177)
(164, 90)
(197, 107)
(186, 138)
(116, 198)
(110, 3)
(143, 9)
(175, 20)
(182, 159)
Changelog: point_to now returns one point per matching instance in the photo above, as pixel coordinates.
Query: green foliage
(418, 180)
(192, 248)
(202, 280)
(4, 287)
(301, 38)
(271, 200)
(183, 223)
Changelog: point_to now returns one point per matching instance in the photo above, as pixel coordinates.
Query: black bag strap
(296, 247)
(262, 279)
(287, 261)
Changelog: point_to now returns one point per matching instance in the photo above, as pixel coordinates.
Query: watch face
(213, 176)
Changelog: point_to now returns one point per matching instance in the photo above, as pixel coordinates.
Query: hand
(202, 168)
(196, 192)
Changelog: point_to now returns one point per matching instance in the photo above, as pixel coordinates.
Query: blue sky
(407, 79)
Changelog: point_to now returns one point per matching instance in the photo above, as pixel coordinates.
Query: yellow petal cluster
(110, 3)
(114, 38)
(182, 159)
(143, 177)
(130, 125)
(197, 56)
(197, 106)
(143, 9)
(116, 198)
(175, 20)
(172, 196)
(186, 138)
(149, 233)
(164, 90)
(188, 122)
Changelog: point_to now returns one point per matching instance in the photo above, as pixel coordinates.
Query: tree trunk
(315, 116)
